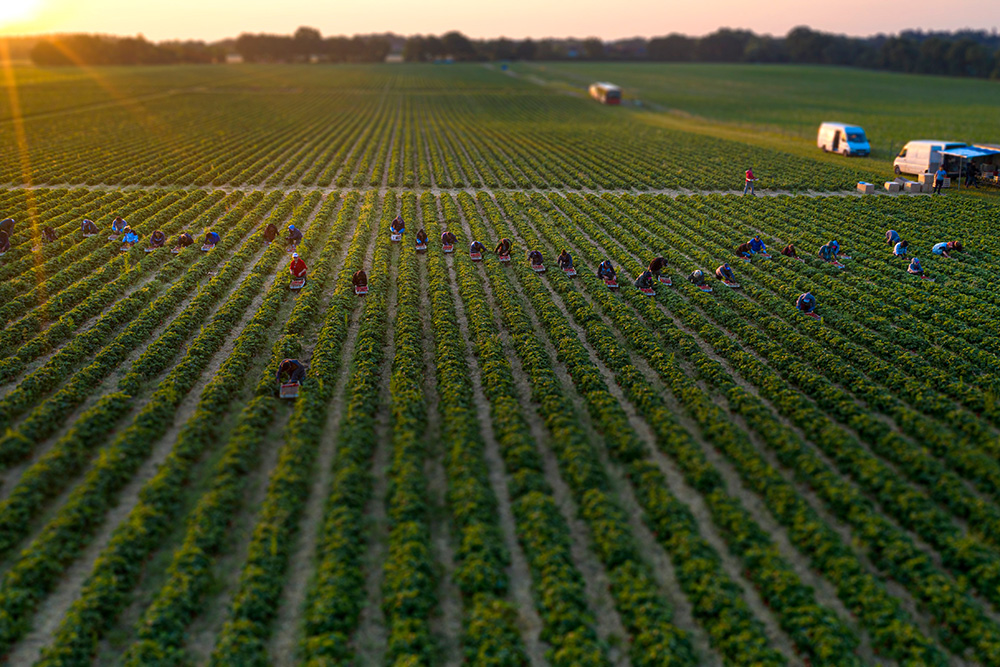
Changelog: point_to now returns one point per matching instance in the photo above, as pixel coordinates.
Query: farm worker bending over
(88, 227)
(360, 278)
(535, 257)
(477, 247)
(184, 240)
(291, 369)
(398, 226)
(900, 248)
(939, 177)
(297, 267)
(657, 265)
(211, 238)
(4, 241)
(645, 280)
(606, 271)
(422, 237)
(945, 248)
(130, 237)
(915, 267)
(294, 235)
(697, 277)
(836, 248)
(757, 246)
(157, 239)
(503, 248)
(749, 183)
(8, 226)
(48, 235)
(725, 274)
(806, 302)
(892, 237)
(565, 260)
(270, 232)
(789, 251)
(827, 253)
(448, 238)
(744, 250)
(118, 225)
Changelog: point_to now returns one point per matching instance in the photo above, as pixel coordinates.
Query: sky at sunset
(216, 19)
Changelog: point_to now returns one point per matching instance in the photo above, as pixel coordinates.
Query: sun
(17, 10)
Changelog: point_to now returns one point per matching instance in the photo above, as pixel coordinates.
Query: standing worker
(939, 177)
(749, 182)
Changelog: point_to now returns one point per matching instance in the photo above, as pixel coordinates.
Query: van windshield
(856, 137)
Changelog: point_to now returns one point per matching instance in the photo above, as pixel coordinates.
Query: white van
(918, 157)
(844, 139)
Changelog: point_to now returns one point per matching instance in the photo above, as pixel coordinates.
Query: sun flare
(17, 10)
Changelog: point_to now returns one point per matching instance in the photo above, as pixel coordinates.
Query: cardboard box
(913, 187)
(891, 186)
(866, 188)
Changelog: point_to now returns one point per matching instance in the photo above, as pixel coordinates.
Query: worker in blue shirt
(398, 226)
(806, 302)
(939, 177)
(899, 250)
(211, 238)
(757, 246)
(891, 237)
(130, 238)
(606, 271)
(915, 268)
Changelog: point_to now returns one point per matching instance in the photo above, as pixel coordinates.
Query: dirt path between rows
(302, 561)
(54, 607)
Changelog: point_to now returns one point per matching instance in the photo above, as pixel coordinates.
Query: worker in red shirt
(750, 180)
(297, 267)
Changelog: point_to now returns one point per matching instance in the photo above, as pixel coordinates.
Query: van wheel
(896, 169)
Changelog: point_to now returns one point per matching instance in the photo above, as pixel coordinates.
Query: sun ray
(24, 157)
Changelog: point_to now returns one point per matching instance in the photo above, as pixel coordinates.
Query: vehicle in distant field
(606, 93)
(918, 157)
(844, 139)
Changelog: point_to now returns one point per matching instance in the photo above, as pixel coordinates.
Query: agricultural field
(784, 104)
(485, 465)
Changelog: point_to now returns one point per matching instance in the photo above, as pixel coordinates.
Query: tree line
(964, 53)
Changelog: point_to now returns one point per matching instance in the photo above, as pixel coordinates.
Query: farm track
(443, 189)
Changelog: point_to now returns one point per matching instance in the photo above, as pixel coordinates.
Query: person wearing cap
(298, 267)
(211, 238)
(448, 238)
(88, 226)
(806, 302)
(476, 246)
(915, 268)
(757, 246)
(294, 236)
